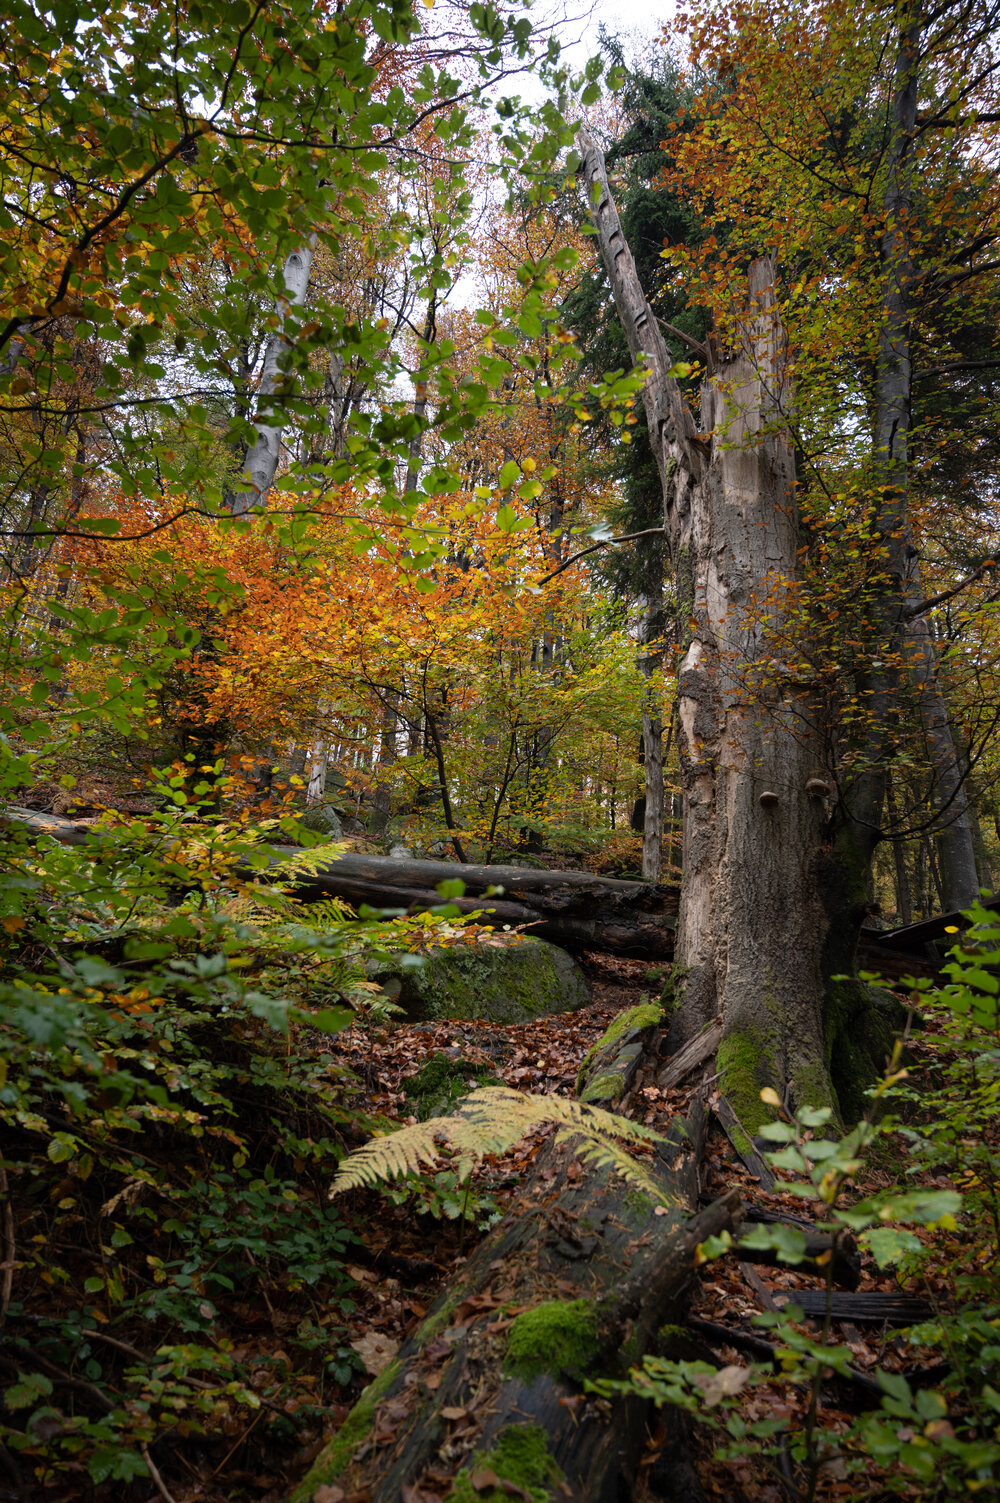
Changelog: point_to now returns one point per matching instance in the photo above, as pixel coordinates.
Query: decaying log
(819, 1242)
(701, 1048)
(745, 1341)
(585, 1255)
(743, 1144)
(576, 910)
(869, 1307)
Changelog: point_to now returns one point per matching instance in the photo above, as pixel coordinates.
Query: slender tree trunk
(909, 633)
(262, 460)
(904, 902)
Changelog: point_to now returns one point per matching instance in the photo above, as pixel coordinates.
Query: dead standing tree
(758, 797)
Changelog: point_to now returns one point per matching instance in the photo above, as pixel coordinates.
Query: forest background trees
(343, 475)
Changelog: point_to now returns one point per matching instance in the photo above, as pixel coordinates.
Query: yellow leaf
(770, 1097)
(12, 923)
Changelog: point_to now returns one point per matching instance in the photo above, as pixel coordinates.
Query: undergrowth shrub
(937, 1229)
(171, 1115)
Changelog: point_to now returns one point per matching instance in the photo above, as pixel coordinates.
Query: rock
(442, 1080)
(503, 979)
(400, 853)
(325, 820)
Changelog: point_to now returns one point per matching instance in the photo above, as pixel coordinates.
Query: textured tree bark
(262, 460)
(908, 634)
(652, 723)
(757, 796)
(584, 1255)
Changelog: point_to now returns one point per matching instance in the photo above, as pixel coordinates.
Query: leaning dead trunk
(756, 794)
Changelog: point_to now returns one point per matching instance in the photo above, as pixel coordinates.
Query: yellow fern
(492, 1120)
(310, 863)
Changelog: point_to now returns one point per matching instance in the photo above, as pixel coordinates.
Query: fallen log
(573, 909)
(576, 910)
(576, 1282)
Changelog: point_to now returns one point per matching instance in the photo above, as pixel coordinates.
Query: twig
(161, 1486)
(237, 1443)
(914, 611)
(627, 537)
(65, 1379)
(9, 1246)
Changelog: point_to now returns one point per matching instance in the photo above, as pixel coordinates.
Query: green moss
(860, 1027)
(559, 1336)
(503, 982)
(440, 1082)
(672, 993)
(438, 1322)
(520, 1457)
(335, 1457)
(603, 1088)
(645, 1015)
(741, 1063)
(639, 1203)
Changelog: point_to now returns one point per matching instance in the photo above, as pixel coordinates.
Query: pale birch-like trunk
(262, 459)
(752, 923)
(319, 761)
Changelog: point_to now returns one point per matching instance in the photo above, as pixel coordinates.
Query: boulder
(502, 978)
(324, 819)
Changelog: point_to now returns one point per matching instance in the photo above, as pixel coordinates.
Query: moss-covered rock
(441, 1081)
(521, 1458)
(505, 980)
(558, 1336)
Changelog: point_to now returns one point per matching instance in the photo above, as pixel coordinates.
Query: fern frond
(309, 863)
(397, 1154)
(491, 1120)
(601, 1152)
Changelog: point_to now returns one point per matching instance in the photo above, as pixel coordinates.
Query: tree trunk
(577, 1280)
(757, 797)
(652, 721)
(908, 632)
(262, 460)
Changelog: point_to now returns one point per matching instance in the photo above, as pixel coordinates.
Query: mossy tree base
(578, 1281)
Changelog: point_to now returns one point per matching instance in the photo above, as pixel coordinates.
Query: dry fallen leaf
(721, 1385)
(329, 1493)
(376, 1351)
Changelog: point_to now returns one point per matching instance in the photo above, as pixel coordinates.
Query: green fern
(492, 1120)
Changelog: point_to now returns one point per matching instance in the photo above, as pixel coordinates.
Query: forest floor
(426, 1239)
(308, 1350)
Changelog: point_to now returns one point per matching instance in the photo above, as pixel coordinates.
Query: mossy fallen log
(575, 1283)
